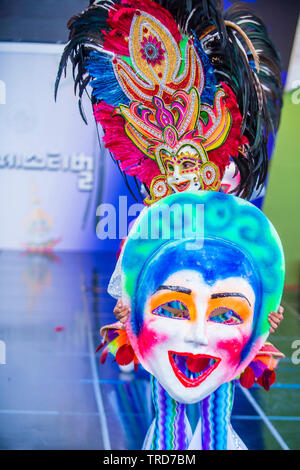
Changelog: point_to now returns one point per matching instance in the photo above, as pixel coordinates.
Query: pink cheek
(232, 349)
(148, 339)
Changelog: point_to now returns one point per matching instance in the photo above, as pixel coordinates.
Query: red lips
(186, 363)
(182, 186)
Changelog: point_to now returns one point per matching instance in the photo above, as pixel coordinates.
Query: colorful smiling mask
(201, 272)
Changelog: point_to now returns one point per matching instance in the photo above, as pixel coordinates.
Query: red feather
(120, 18)
(104, 355)
(100, 346)
(131, 159)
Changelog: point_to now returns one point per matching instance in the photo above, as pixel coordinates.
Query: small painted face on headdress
(183, 169)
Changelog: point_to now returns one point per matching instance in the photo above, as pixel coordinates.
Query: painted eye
(187, 165)
(226, 316)
(170, 167)
(173, 309)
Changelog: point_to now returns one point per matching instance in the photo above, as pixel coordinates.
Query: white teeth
(193, 375)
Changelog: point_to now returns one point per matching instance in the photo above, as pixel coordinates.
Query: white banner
(50, 170)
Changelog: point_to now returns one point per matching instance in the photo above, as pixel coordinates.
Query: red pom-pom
(124, 355)
(247, 378)
(267, 379)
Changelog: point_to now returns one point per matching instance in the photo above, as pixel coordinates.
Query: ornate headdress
(178, 85)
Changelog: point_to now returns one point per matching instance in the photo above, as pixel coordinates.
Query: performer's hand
(121, 311)
(275, 318)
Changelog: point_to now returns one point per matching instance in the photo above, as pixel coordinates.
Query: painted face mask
(196, 326)
(200, 302)
(182, 170)
(185, 171)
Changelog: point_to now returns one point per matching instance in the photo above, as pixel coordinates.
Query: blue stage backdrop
(53, 172)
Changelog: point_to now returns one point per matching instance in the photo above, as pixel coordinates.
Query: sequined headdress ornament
(178, 86)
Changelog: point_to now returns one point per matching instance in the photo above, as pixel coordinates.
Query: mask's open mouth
(182, 186)
(192, 369)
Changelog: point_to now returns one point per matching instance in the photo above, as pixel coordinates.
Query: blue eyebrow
(181, 289)
(229, 294)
